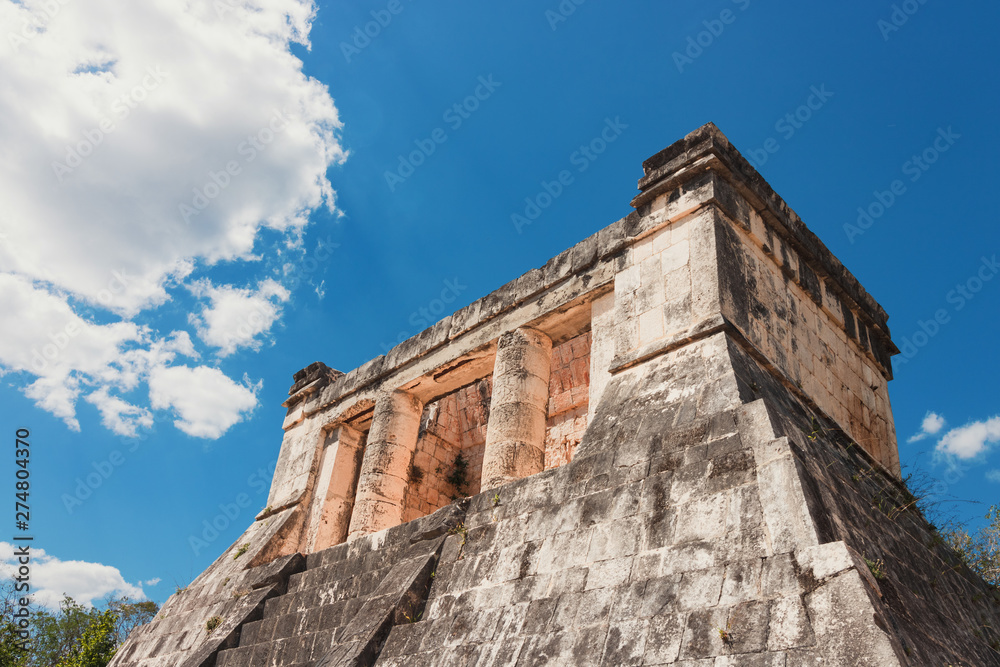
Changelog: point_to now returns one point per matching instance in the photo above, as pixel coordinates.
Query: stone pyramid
(670, 445)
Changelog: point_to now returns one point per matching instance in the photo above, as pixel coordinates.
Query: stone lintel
(562, 312)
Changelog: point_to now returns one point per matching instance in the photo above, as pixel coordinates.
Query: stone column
(336, 486)
(515, 433)
(385, 466)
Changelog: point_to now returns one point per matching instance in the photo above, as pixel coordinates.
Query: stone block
(626, 642)
(609, 573)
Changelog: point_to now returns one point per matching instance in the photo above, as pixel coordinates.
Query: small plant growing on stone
(411, 617)
(460, 529)
(724, 634)
(213, 623)
(459, 476)
(877, 567)
(242, 550)
(496, 504)
(225, 581)
(817, 430)
(416, 474)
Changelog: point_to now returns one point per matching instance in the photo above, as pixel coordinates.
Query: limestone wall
(569, 396)
(710, 248)
(798, 323)
(451, 426)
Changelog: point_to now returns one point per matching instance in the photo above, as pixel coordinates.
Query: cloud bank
(52, 579)
(145, 144)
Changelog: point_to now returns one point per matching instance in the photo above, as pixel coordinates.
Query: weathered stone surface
(733, 500)
(515, 436)
(334, 487)
(386, 463)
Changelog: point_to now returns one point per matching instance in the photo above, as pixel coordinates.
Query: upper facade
(710, 259)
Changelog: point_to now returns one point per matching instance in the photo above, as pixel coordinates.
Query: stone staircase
(342, 606)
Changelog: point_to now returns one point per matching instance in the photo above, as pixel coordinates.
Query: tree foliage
(980, 549)
(11, 653)
(73, 636)
(96, 645)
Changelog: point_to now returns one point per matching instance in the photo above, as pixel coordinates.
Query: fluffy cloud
(932, 423)
(52, 579)
(146, 143)
(206, 401)
(153, 581)
(971, 440)
(41, 335)
(993, 476)
(235, 317)
(119, 416)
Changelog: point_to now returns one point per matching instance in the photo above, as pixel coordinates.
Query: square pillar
(336, 486)
(515, 432)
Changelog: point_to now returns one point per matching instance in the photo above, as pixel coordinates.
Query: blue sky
(198, 204)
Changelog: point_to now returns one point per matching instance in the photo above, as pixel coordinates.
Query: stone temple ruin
(670, 445)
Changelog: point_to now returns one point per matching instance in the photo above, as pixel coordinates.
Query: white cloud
(236, 317)
(144, 144)
(153, 581)
(52, 578)
(41, 335)
(204, 399)
(993, 476)
(204, 105)
(969, 441)
(119, 416)
(932, 423)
